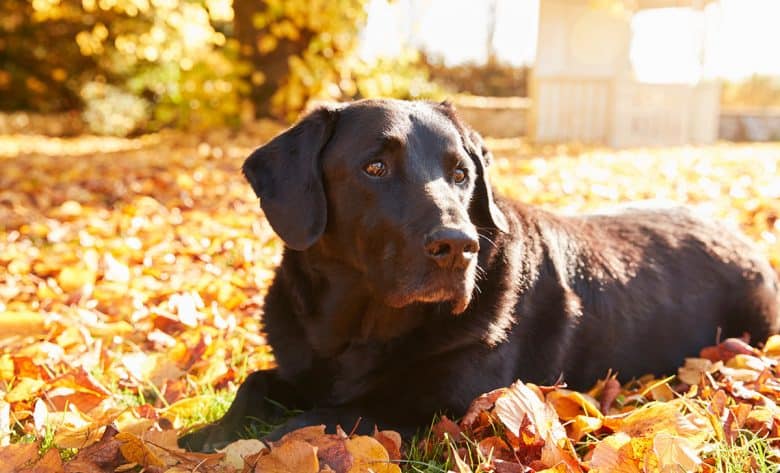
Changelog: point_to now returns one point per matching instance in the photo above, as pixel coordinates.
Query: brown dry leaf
(479, 405)
(333, 454)
(135, 450)
(510, 467)
(98, 457)
(727, 349)
(448, 427)
(50, 462)
(15, 457)
(495, 448)
(305, 434)
(392, 442)
(294, 456)
(609, 392)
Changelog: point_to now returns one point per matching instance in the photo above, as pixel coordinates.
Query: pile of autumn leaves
(651, 425)
(132, 273)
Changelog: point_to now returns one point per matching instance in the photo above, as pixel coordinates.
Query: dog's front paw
(208, 439)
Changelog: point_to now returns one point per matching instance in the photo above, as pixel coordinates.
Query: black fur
(364, 325)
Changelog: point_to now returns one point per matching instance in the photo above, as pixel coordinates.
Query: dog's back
(645, 288)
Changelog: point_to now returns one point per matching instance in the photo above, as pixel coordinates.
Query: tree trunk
(273, 64)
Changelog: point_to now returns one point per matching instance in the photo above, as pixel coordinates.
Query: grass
(748, 453)
(419, 459)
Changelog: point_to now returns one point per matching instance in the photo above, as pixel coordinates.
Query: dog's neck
(338, 303)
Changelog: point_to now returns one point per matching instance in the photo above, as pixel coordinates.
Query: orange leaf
(135, 450)
(569, 404)
(391, 440)
(50, 462)
(294, 456)
(15, 457)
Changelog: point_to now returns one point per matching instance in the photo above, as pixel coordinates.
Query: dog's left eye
(459, 175)
(375, 169)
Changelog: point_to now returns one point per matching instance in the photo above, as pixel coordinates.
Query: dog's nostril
(439, 249)
(451, 247)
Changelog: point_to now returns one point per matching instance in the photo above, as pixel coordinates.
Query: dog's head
(396, 190)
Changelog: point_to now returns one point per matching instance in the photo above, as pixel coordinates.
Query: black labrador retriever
(407, 288)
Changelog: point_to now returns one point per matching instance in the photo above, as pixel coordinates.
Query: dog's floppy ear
(483, 202)
(285, 173)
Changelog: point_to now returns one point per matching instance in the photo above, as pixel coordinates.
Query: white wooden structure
(583, 87)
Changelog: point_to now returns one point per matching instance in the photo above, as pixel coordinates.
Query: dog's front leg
(263, 396)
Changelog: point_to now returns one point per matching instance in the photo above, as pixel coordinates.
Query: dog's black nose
(451, 247)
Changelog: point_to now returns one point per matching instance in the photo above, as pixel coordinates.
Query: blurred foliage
(303, 50)
(138, 65)
(494, 78)
(41, 65)
(757, 91)
(172, 54)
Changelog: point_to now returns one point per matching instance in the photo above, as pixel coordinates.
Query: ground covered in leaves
(132, 273)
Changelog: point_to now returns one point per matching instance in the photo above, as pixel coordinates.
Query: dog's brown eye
(459, 175)
(375, 169)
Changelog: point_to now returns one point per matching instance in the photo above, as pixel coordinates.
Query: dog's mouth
(455, 287)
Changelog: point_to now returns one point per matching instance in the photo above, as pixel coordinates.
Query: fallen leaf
(518, 403)
(235, 452)
(446, 427)
(391, 441)
(104, 455)
(136, 451)
(15, 457)
(675, 453)
(294, 456)
(570, 404)
(369, 456)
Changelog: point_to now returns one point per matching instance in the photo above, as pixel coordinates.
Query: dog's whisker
(487, 238)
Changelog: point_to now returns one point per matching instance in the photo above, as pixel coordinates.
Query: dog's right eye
(375, 169)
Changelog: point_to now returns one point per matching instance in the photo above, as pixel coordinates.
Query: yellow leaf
(614, 454)
(772, 346)
(73, 278)
(369, 456)
(25, 389)
(675, 453)
(187, 407)
(660, 417)
(21, 323)
(583, 425)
